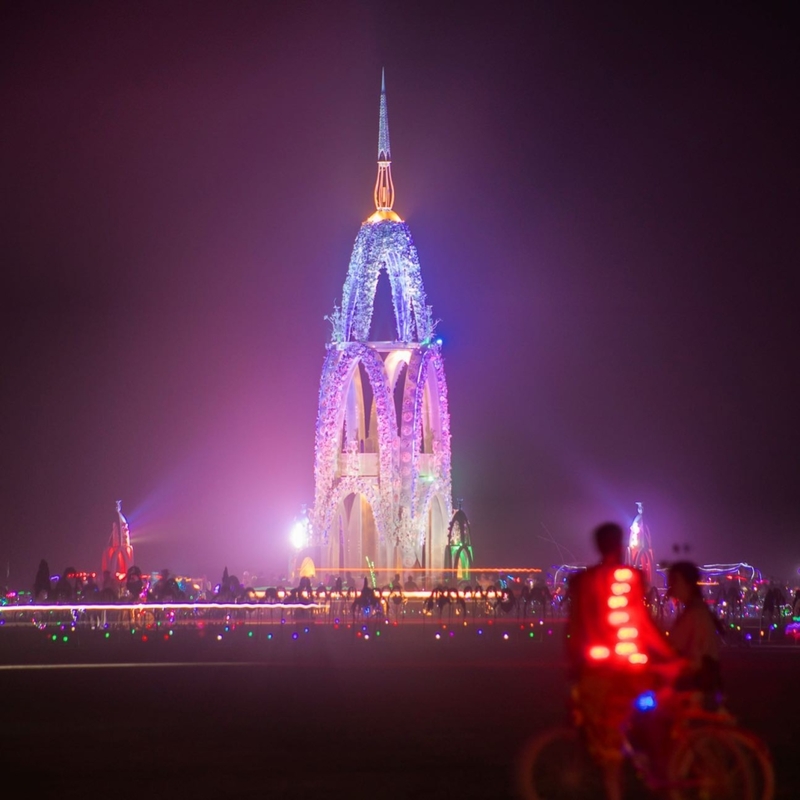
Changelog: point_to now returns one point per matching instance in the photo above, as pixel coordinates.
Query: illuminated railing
(321, 606)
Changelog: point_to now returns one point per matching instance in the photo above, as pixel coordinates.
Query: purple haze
(604, 202)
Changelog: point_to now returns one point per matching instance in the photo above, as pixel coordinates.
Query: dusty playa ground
(285, 712)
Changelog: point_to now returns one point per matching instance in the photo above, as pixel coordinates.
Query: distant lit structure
(640, 547)
(118, 555)
(382, 448)
(742, 572)
(458, 555)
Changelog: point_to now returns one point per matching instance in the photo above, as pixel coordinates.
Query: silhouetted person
(611, 638)
(695, 635)
(773, 600)
(91, 590)
(367, 594)
(134, 583)
(540, 594)
(41, 584)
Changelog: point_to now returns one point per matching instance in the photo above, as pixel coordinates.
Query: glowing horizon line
(442, 569)
(150, 606)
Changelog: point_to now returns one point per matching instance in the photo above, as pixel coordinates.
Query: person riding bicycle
(695, 636)
(611, 639)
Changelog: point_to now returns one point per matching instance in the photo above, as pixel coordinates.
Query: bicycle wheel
(556, 766)
(709, 764)
(758, 760)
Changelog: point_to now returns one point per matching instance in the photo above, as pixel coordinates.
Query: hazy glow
(617, 601)
(620, 588)
(184, 383)
(623, 574)
(625, 648)
(627, 633)
(599, 652)
(299, 535)
(619, 617)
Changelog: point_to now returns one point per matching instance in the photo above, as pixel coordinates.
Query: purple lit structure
(640, 547)
(382, 448)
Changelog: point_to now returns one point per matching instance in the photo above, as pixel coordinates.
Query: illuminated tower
(382, 448)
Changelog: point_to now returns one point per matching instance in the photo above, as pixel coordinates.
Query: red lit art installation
(118, 556)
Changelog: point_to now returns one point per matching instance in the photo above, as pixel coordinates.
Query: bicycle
(709, 757)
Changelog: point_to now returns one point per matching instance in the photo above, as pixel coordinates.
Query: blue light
(646, 701)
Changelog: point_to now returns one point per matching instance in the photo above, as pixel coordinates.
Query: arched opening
(399, 391)
(429, 419)
(435, 539)
(357, 535)
(384, 326)
(359, 433)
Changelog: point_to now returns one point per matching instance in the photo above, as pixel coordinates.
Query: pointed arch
(341, 382)
(363, 522)
(433, 517)
(385, 245)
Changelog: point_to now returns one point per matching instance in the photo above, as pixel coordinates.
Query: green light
(250, 633)
(377, 633)
(54, 637)
(65, 639)
(108, 635)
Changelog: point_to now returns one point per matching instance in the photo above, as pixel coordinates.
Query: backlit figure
(611, 639)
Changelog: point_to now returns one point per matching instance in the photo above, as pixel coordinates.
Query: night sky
(605, 203)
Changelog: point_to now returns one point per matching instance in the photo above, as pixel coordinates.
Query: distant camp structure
(458, 554)
(640, 547)
(118, 555)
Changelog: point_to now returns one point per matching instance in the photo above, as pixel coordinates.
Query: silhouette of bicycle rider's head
(609, 539)
(683, 581)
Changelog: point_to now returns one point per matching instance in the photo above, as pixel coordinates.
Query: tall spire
(384, 186)
(384, 151)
